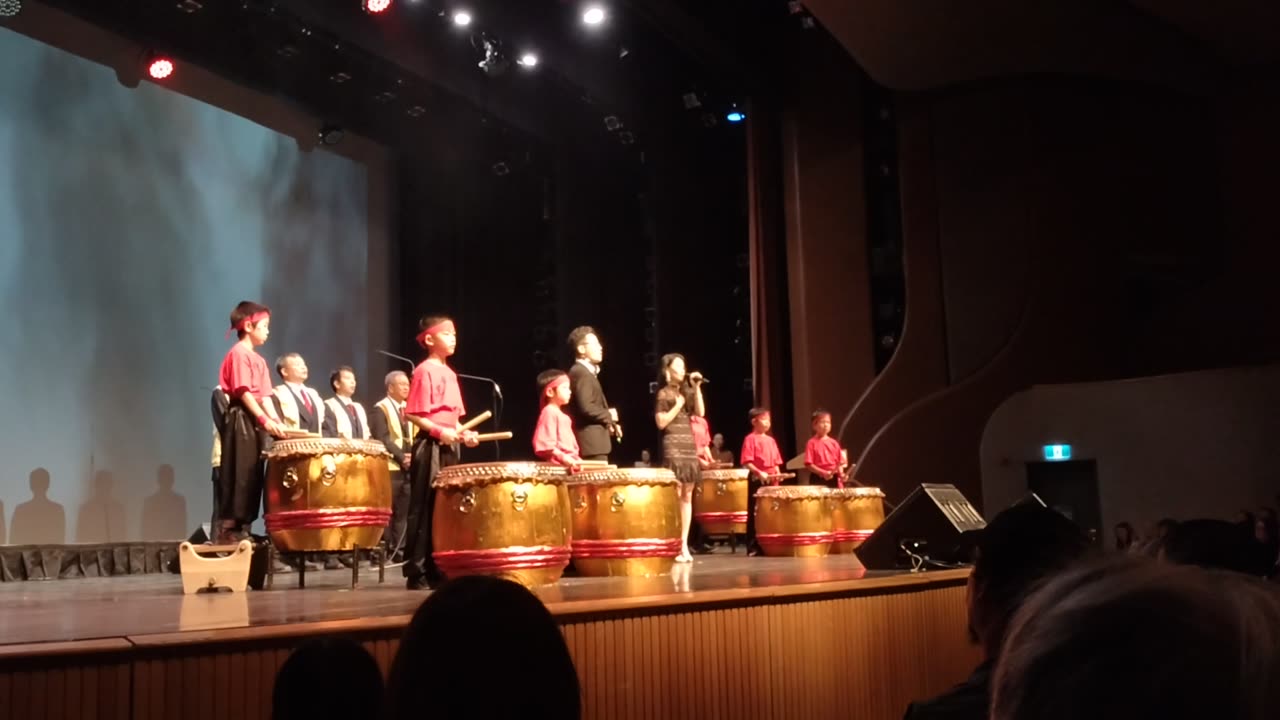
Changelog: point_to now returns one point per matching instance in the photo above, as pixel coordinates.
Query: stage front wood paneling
(856, 649)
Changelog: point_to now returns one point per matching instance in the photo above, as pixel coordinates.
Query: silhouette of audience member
(1022, 547)
(164, 512)
(350, 671)
(1214, 544)
(101, 519)
(1126, 537)
(445, 666)
(1129, 639)
(39, 521)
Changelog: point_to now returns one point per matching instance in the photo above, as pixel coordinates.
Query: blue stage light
(735, 116)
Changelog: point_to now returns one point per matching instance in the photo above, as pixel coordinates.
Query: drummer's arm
(444, 434)
(261, 410)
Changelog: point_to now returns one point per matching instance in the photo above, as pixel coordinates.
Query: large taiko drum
(508, 519)
(856, 512)
(794, 521)
(626, 521)
(720, 501)
(327, 494)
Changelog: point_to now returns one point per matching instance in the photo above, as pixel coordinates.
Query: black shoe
(704, 548)
(754, 551)
(418, 582)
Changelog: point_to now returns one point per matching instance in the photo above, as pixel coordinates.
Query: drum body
(507, 519)
(720, 501)
(625, 521)
(856, 513)
(326, 494)
(794, 521)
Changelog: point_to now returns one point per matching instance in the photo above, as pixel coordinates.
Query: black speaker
(931, 523)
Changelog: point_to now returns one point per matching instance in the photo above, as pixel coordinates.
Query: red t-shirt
(244, 371)
(554, 434)
(823, 453)
(762, 451)
(434, 394)
(701, 431)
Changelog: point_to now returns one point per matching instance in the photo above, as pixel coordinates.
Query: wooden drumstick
(486, 437)
(475, 421)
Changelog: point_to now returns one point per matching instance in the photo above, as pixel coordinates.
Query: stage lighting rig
(495, 61)
(331, 134)
(375, 7)
(10, 8)
(160, 67)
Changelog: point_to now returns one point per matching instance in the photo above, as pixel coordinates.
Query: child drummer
(760, 456)
(823, 457)
(434, 406)
(553, 438)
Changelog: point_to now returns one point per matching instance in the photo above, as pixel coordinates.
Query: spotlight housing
(160, 67)
(735, 116)
(10, 8)
(462, 18)
(528, 60)
(331, 134)
(375, 7)
(593, 15)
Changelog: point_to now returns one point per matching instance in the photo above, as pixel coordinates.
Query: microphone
(696, 377)
(497, 389)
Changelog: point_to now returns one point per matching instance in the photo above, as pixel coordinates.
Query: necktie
(357, 430)
(306, 402)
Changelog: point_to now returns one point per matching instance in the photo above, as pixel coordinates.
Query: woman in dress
(679, 397)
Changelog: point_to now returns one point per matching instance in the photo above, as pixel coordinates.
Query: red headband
(553, 386)
(245, 323)
(438, 327)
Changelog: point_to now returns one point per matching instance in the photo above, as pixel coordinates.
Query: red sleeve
(544, 436)
(775, 456)
(419, 393)
(749, 450)
(239, 374)
(811, 452)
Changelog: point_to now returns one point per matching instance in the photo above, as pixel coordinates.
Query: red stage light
(373, 7)
(160, 68)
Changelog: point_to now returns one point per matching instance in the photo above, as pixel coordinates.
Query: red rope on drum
(627, 548)
(738, 516)
(794, 539)
(324, 518)
(850, 535)
(495, 560)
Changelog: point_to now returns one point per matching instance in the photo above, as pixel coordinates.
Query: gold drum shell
(856, 512)
(326, 494)
(720, 501)
(625, 521)
(504, 519)
(794, 521)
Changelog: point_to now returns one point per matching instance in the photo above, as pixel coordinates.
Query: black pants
(395, 532)
(241, 476)
(429, 455)
(754, 483)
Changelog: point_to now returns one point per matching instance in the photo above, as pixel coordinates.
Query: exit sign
(1056, 452)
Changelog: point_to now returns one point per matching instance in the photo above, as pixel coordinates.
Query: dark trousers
(604, 457)
(394, 535)
(241, 476)
(428, 457)
(754, 483)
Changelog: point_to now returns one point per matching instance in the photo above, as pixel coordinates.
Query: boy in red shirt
(823, 457)
(553, 438)
(249, 417)
(434, 406)
(760, 455)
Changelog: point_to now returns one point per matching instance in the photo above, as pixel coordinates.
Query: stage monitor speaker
(931, 523)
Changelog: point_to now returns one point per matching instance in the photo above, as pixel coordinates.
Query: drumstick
(486, 437)
(475, 421)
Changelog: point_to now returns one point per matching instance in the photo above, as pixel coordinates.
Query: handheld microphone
(696, 377)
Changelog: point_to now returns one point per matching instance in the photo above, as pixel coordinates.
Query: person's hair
(1021, 547)
(1129, 638)
(393, 376)
(427, 321)
(467, 623)
(664, 364)
(818, 414)
(1213, 544)
(295, 694)
(1130, 535)
(337, 375)
(245, 309)
(578, 336)
(756, 412)
(280, 361)
(545, 378)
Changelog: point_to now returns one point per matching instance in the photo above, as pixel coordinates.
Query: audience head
(1212, 544)
(463, 644)
(1130, 639)
(1021, 548)
(296, 694)
(1124, 536)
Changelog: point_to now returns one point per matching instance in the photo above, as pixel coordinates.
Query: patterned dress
(679, 454)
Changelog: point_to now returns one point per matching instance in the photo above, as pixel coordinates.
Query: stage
(729, 636)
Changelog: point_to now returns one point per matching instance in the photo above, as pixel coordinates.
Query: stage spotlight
(10, 8)
(462, 18)
(375, 7)
(528, 60)
(735, 116)
(593, 15)
(160, 67)
(331, 135)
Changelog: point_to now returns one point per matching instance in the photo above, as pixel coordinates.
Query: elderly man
(389, 426)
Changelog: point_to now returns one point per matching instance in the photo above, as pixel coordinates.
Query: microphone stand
(496, 398)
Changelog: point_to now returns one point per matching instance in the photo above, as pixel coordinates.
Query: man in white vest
(388, 425)
(300, 406)
(344, 417)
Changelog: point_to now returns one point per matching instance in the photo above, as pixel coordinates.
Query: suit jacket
(293, 409)
(337, 423)
(383, 430)
(590, 412)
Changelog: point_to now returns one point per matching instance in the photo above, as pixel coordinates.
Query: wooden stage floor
(87, 609)
(728, 637)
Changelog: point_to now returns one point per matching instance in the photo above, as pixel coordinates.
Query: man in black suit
(388, 425)
(594, 422)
